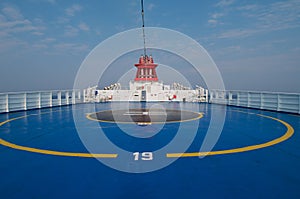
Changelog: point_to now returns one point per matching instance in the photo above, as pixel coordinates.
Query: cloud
(249, 7)
(214, 19)
(234, 33)
(40, 46)
(217, 15)
(11, 27)
(12, 13)
(12, 21)
(71, 47)
(212, 22)
(150, 6)
(71, 31)
(62, 20)
(83, 26)
(73, 9)
(48, 40)
(224, 3)
(38, 33)
(276, 16)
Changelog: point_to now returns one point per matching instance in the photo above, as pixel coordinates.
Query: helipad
(144, 116)
(256, 156)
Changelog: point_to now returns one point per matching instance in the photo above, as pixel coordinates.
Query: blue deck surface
(270, 172)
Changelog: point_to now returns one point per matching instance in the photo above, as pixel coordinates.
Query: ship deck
(43, 155)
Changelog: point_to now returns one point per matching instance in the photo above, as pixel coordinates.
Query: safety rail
(17, 101)
(283, 102)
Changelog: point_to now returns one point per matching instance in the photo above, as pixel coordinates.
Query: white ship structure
(146, 88)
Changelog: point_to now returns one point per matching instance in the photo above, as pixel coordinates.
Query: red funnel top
(146, 69)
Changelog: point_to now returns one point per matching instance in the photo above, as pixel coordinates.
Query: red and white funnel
(146, 69)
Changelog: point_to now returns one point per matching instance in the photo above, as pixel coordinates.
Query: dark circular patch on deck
(144, 116)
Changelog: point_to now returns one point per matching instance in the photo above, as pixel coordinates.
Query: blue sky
(255, 44)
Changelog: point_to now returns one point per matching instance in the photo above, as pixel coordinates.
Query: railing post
(73, 97)
(59, 98)
(278, 104)
(263, 100)
(299, 104)
(229, 97)
(25, 101)
(50, 99)
(39, 99)
(260, 100)
(84, 97)
(6, 103)
(248, 99)
(67, 97)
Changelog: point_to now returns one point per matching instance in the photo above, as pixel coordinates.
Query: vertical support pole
(84, 97)
(73, 97)
(50, 99)
(67, 97)
(6, 103)
(229, 97)
(260, 100)
(210, 96)
(79, 95)
(248, 99)
(154, 73)
(25, 101)
(39, 99)
(59, 98)
(238, 98)
(299, 104)
(278, 103)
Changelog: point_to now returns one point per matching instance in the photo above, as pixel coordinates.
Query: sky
(255, 44)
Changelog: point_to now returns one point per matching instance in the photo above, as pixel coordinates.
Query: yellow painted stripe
(58, 153)
(287, 135)
(50, 152)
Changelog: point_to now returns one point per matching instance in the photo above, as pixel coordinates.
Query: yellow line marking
(287, 135)
(50, 152)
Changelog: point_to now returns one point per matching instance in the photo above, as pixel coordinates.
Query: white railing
(285, 102)
(17, 101)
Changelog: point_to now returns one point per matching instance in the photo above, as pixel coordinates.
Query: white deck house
(146, 87)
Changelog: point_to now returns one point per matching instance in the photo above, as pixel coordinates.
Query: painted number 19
(143, 156)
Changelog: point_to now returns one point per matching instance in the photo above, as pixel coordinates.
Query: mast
(146, 67)
(143, 27)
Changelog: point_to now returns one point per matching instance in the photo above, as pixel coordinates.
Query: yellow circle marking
(287, 135)
(50, 152)
(88, 116)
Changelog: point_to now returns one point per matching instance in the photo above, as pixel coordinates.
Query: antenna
(143, 27)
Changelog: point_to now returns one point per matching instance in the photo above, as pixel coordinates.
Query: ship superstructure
(146, 87)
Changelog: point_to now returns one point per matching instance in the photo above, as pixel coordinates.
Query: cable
(143, 27)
